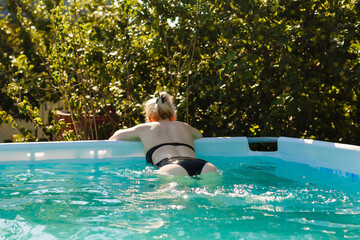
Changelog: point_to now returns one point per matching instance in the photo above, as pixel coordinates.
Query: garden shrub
(236, 68)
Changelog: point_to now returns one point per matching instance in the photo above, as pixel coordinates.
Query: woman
(169, 144)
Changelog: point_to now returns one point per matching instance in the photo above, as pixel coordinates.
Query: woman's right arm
(196, 133)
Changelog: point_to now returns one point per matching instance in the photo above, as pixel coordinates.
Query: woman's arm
(129, 134)
(196, 133)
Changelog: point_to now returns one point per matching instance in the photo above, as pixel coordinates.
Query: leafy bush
(253, 68)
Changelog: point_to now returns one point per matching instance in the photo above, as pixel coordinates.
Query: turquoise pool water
(253, 198)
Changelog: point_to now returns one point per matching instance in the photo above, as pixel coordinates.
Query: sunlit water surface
(252, 198)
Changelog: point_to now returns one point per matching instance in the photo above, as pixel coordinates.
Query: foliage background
(236, 68)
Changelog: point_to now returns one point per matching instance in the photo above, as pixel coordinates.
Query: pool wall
(342, 159)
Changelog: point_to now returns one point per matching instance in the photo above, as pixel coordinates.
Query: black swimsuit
(192, 165)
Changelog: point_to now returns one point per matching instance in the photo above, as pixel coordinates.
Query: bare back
(156, 133)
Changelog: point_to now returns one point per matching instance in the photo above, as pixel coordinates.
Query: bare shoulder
(182, 123)
(131, 134)
(146, 127)
(195, 132)
(142, 125)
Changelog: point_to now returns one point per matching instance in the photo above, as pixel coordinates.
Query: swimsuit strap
(153, 149)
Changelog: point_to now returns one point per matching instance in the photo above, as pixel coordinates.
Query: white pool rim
(341, 159)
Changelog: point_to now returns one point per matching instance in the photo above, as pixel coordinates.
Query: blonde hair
(160, 108)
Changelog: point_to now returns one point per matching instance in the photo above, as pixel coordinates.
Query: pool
(103, 190)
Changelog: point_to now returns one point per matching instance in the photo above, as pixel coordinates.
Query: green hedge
(236, 68)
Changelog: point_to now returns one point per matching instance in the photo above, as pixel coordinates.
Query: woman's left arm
(129, 134)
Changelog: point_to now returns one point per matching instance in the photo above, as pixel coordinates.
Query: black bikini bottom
(193, 166)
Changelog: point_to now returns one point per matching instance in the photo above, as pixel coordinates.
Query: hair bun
(154, 111)
(162, 98)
